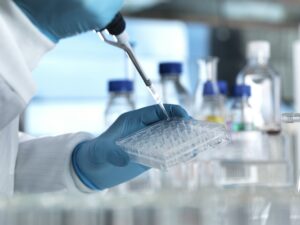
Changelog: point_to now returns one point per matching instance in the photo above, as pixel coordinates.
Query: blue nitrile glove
(58, 19)
(101, 164)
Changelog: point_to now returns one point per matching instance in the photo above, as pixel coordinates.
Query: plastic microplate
(170, 142)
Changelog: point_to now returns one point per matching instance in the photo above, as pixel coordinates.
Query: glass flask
(120, 100)
(207, 72)
(265, 86)
(208, 68)
(242, 115)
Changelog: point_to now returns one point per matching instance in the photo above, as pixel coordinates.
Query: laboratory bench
(253, 180)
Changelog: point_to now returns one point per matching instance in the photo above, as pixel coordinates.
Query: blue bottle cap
(223, 87)
(209, 89)
(170, 68)
(242, 90)
(120, 86)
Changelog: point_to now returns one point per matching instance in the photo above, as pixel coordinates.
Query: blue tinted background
(72, 78)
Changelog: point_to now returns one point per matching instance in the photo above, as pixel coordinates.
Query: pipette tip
(164, 111)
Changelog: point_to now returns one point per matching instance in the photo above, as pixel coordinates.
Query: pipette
(290, 117)
(121, 40)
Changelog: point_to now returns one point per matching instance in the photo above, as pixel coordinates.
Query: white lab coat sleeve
(44, 164)
(22, 46)
(11, 104)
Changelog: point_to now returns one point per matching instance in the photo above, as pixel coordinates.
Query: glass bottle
(242, 114)
(120, 100)
(212, 109)
(173, 92)
(223, 88)
(265, 87)
(223, 92)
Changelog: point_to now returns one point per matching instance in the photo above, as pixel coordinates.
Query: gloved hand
(63, 18)
(101, 164)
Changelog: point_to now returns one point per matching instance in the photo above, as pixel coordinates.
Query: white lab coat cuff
(81, 186)
(74, 178)
(24, 45)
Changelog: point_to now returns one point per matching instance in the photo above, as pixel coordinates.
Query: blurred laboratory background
(232, 62)
(72, 79)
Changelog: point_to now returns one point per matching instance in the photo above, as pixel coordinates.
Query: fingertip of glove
(119, 158)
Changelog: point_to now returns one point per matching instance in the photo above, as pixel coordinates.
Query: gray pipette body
(124, 40)
(117, 29)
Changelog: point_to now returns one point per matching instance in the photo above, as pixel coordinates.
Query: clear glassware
(207, 72)
(213, 107)
(252, 158)
(173, 92)
(207, 206)
(290, 117)
(209, 68)
(265, 86)
(120, 100)
(223, 88)
(223, 93)
(241, 111)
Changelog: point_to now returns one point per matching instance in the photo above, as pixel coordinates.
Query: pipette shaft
(123, 39)
(117, 29)
(123, 43)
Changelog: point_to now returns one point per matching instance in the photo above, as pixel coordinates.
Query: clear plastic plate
(168, 143)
